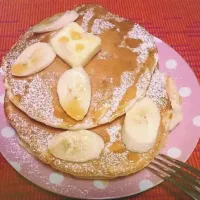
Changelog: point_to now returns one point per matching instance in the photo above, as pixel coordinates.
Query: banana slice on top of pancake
(76, 146)
(141, 126)
(74, 92)
(33, 59)
(74, 45)
(55, 22)
(175, 99)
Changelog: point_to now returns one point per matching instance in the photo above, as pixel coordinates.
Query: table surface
(177, 22)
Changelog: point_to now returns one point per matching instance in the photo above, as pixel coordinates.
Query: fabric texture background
(177, 22)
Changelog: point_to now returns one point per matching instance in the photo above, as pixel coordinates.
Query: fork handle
(179, 185)
(184, 189)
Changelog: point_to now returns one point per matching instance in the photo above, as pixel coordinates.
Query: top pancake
(120, 73)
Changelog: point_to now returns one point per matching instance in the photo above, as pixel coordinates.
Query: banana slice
(175, 99)
(141, 126)
(76, 146)
(55, 22)
(74, 45)
(33, 59)
(74, 92)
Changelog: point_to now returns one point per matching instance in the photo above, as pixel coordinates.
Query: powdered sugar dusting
(127, 80)
(102, 95)
(114, 159)
(103, 55)
(79, 7)
(141, 86)
(100, 25)
(115, 17)
(137, 32)
(30, 132)
(86, 18)
(114, 132)
(18, 86)
(157, 89)
(143, 83)
(37, 102)
(17, 120)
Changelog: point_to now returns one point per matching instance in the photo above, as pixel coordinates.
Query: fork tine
(158, 173)
(173, 173)
(185, 165)
(171, 180)
(176, 169)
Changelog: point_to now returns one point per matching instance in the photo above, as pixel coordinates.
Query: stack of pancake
(99, 108)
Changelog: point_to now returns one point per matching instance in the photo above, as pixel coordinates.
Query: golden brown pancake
(115, 160)
(120, 73)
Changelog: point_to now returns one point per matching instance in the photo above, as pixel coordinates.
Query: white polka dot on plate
(15, 165)
(174, 152)
(145, 184)
(101, 184)
(2, 98)
(56, 178)
(171, 64)
(7, 132)
(185, 91)
(196, 120)
(1, 71)
(157, 40)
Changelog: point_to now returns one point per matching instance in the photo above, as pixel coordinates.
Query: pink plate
(181, 142)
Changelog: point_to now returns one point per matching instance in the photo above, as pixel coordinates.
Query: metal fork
(186, 177)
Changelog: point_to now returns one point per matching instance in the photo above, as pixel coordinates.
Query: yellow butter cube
(75, 46)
